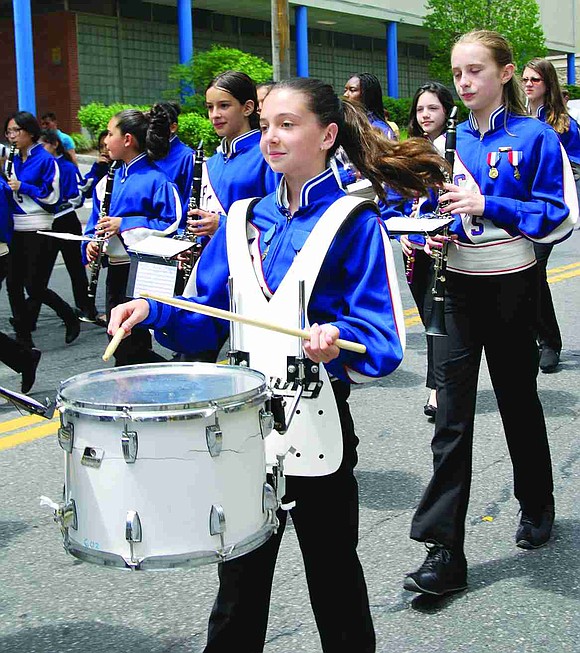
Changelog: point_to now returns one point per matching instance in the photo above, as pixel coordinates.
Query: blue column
(185, 31)
(392, 61)
(571, 57)
(301, 16)
(185, 27)
(24, 56)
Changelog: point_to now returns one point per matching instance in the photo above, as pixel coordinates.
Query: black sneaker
(535, 528)
(443, 571)
(29, 372)
(549, 359)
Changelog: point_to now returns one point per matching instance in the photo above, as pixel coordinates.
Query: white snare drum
(164, 465)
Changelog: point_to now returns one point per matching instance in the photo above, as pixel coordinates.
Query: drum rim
(140, 411)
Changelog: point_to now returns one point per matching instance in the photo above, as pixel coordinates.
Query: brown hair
(502, 53)
(556, 112)
(408, 167)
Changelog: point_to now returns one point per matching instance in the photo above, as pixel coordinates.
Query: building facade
(122, 50)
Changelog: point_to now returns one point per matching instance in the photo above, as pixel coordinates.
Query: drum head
(164, 387)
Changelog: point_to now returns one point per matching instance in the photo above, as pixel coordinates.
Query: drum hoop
(163, 411)
(172, 561)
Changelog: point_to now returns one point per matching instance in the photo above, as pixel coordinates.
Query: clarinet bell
(436, 326)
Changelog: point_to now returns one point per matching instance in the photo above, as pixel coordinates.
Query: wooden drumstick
(115, 342)
(236, 317)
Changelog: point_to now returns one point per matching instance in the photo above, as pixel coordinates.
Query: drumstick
(236, 317)
(115, 342)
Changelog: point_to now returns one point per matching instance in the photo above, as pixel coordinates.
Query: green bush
(95, 116)
(574, 91)
(82, 143)
(206, 65)
(194, 128)
(398, 109)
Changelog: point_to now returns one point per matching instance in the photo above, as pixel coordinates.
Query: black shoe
(430, 410)
(443, 571)
(535, 528)
(73, 329)
(29, 373)
(549, 359)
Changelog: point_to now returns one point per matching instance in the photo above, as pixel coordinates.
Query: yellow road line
(9, 441)
(563, 268)
(565, 275)
(20, 422)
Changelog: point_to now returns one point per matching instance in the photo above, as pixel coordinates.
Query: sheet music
(65, 236)
(402, 225)
(155, 278)
(164, 247)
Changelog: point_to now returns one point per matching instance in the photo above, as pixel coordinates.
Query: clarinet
(410, 260)
(97, 263)
(10, 161)
(436, 325)
(194, 199)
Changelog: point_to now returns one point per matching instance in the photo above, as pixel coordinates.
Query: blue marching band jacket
(526, 179)
(145, 199)
(361, 300)
(236, 172)
(178, 166)
(36, 202)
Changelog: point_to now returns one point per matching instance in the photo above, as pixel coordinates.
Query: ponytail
(408, 167)
(149, 129)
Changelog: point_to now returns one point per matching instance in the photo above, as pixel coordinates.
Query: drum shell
(172, 484)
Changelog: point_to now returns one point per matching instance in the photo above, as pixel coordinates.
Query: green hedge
(95, 116)
(82, 143)
(574, 91)
(193, 127)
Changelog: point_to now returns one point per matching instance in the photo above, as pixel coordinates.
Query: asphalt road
(518, 601)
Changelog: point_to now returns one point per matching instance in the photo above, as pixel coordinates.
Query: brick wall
(55, 67)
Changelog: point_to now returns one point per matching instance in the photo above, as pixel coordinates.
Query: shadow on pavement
(91, 637)
(389, 490)
(10, 529)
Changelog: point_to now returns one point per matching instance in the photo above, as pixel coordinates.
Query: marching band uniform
(66, 221)
(178, 166)
(316, 245)
(148, 203)
(34, 207)
(549, 336)
(490, 296)
(97, 171)
(20, 358)
(234, 172)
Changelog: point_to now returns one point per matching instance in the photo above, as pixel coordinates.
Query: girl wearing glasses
(511, 188)
(35, 185)
(545, 101)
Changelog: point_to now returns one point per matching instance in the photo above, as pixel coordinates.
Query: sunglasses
(534, 80)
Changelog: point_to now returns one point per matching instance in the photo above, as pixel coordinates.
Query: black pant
(12, 352)
(548, 329)
(31, 256)
(496, 314)
(71, 254)
(326, 521)
(136, 348)
(420, 287)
